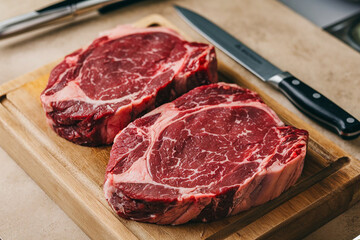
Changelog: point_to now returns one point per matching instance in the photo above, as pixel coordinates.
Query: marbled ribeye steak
(98, 90)
(213, 152)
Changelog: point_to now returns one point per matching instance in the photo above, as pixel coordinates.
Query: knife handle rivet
(295, 82)
(350, 120)
(316, 95)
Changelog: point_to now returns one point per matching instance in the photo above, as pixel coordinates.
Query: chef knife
(309, 101)
(59, 12)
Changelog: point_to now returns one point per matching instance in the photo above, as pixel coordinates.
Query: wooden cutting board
(73, 175)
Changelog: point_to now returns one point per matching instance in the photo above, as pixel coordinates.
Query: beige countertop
(28, 213)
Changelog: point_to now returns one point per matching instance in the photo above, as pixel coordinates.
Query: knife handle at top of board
(301, 95)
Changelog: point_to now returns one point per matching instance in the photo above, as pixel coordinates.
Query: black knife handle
(319, 107)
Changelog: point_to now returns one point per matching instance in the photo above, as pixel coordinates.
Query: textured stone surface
(316, 63)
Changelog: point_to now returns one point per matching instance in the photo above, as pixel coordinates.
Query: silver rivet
(295, 82)
(316, 95)
(350, 120)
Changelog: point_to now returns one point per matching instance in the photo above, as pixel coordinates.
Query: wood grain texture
(73, 175)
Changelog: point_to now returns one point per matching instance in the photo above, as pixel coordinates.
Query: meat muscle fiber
(213, 152)
(98, 90)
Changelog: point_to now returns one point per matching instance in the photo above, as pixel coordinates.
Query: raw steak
(98, 90)
(213, 152)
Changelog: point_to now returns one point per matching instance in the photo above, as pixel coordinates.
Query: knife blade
(305, 98)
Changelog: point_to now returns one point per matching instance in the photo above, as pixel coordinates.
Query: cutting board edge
(332, 204)
(11, 85)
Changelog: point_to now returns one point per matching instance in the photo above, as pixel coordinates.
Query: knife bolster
(276, 79)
